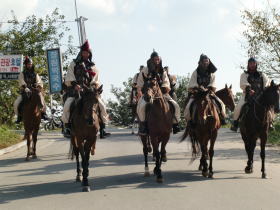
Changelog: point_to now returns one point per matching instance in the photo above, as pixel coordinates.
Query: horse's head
(271, 96)
(227, 97)
(151, 90)
(89, 104)
(33, 95)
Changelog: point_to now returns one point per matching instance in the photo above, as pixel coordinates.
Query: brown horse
(159, 119)
(85, 126)
(31, 119)
(254, 123)
(207, 123)
(227, 97)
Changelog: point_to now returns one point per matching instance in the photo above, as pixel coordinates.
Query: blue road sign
(55, 70)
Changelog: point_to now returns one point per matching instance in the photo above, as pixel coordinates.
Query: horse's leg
(204, 154)
(145, 152)
(211, 153)
(157, 170)
(163, 151)
(76, 152)
(34, 139)
(248, 168)
(250, 148)
(263, 143)
(200, 167)
(85, 164)
(28, 140)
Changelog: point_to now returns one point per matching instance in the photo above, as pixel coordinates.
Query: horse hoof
(146, 174)
(164, 159)
(27, 158)
(264, 176)
(79, 179)
(86, 189)
(248, 170)
(160, 180)
(205, 173)
(34, 157)
(210, 175)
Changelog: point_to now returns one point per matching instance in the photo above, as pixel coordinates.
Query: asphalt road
(117, 181)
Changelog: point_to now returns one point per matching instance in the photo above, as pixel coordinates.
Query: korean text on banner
(55, 70)
(10, 66)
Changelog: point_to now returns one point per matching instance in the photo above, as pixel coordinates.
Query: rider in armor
(154, 67)
(203, 78)
(82, 71)
(252, 82)
(28, 79)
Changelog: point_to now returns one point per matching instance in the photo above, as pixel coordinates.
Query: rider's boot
(234, 126)
(176, 128)
(222, 119)
(103, 133)
(67, 130)
(19, 119)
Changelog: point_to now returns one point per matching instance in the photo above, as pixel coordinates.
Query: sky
(123, 33)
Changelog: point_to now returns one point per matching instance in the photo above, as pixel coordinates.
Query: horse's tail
(185, 134)
(195, 143)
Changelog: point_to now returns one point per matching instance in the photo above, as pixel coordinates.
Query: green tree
(262, 36)
(181, 92)
(119, 110)
(32, 37)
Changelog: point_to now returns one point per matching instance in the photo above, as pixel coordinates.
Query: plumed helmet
(85, 46)
(27, 60)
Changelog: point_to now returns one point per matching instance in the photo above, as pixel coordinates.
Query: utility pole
(81, 26)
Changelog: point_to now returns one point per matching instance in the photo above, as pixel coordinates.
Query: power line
(60, 21)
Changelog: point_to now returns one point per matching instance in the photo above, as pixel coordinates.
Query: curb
(12, 148)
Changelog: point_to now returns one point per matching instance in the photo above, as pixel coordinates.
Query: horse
(227, 97)
(84, 130)
(159, 120)
(207, 123)
(254, 123)
(32, 106)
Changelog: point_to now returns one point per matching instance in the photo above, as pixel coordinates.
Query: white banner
(10, 66)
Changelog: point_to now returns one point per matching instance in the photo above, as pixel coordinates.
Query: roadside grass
(274, 136)
(8, 137)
